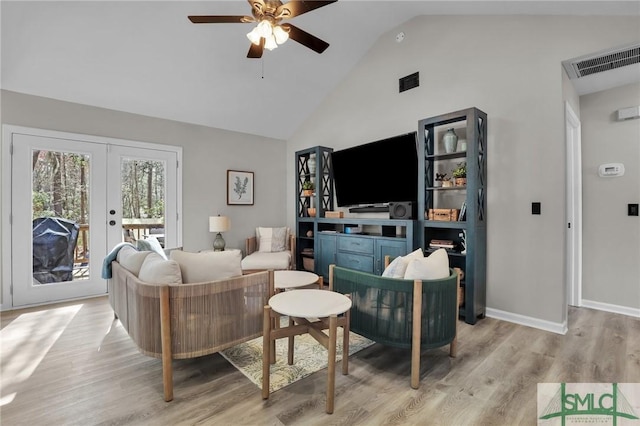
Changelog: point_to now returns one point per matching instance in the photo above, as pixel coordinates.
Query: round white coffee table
(322, 307)
(286, 280)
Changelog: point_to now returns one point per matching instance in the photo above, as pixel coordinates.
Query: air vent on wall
(409, 82)
(602, 61)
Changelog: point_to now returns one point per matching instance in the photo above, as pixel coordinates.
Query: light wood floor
(71, 364)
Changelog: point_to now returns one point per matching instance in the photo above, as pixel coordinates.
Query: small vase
(461, 181)
(450, 140)
(311, 163)
(462, 145)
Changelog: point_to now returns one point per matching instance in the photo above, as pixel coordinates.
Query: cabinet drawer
(355, 261)
(356, 244)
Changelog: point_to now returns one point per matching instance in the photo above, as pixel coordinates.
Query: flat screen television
(377, 173)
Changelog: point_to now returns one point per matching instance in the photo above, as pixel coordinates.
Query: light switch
(535, 208)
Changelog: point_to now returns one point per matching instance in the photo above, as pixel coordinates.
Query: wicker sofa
(187, 320)
(416, 314)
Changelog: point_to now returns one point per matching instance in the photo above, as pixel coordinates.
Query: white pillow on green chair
(433, 267)
(398, 266)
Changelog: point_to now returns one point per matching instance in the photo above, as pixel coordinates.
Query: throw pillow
(433, 267)
(157, 270)
(398, 266)
(131, 259)
(208, 266)
(272, 239)
(151, 244)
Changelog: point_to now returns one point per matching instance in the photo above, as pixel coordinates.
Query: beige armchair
(256, 260)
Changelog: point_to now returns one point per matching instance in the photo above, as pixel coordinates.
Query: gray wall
(207, 154)
(509, 67)
(611, 249)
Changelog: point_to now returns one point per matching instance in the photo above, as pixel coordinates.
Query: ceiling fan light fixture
(270, 43)
(264, 28)
(254, 36)
(280, 34)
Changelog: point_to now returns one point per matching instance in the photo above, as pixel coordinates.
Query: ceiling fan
(269, 33)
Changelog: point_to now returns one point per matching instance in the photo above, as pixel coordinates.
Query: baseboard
(554, 327)
(616, 309)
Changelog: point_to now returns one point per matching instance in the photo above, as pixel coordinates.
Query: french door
(72, 200)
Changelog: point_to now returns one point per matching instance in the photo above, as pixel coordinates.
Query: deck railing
(132, 230)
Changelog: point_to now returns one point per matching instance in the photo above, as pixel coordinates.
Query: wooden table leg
(266, 346)
(345, 342)
(291, 344)
(331, 379)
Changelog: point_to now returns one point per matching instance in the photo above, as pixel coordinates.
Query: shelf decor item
(462, 145)
(446, 215)
(239, 188)
(307, 188)
(311, 163)
(440, 178)
(450, 141)
(460, 174)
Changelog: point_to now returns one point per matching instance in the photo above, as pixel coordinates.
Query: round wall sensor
(400, 37)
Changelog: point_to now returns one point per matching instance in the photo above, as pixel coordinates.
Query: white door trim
(8, 131)
(573, 207)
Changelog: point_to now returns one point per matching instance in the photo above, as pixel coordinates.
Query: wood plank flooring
(72, 364)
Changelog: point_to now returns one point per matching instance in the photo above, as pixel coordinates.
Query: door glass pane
(60, 216)
(143, 195)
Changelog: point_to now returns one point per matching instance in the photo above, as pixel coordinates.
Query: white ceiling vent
(602, 61)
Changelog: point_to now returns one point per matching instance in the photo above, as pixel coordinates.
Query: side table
(289, 279)
(323, 308)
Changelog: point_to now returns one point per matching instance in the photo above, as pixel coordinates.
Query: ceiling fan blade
(257, 6)
(255, 50)
(298, 7)
(216, 19)
(306, 39)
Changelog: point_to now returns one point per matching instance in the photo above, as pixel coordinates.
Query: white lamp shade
(219, 224)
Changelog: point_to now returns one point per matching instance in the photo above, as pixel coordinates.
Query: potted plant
(460, 174)
(307, 188)
(440, 177)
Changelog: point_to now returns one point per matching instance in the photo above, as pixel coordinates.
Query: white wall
(611, 251)
(207, 155)
(509, 67)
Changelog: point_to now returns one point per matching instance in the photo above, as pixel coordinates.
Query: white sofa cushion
(266, 260)
(151, 243)
(157, 270)
(433, 267)
(208, 266)
(272, 239)
(131, 259)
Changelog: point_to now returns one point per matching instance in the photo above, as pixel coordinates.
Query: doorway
(573, 207)
(73, 198)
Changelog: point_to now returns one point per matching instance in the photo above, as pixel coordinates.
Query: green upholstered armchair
(416, 314)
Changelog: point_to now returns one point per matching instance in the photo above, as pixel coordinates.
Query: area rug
(309, 356)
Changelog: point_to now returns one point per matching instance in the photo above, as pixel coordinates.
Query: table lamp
(219, 224)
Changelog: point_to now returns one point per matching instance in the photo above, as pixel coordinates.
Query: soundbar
(369, 209)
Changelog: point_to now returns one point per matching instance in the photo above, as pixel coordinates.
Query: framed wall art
(239, 188)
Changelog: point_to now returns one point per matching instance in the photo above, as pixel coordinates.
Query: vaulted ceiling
(147, 58)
